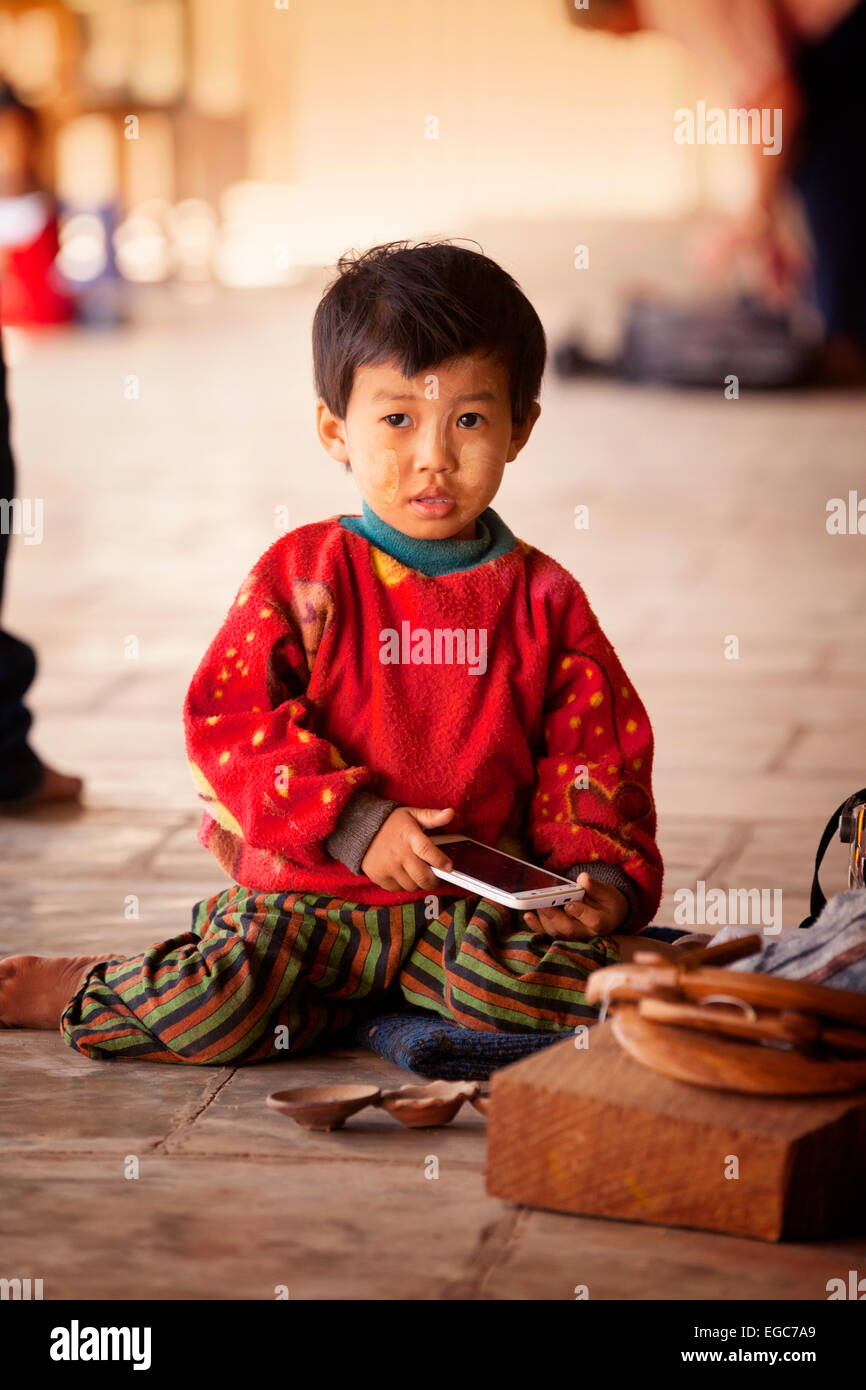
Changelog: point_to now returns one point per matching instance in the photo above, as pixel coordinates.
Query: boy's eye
(395, 419)
(468, 420)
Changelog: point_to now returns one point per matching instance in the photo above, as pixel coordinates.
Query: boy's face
(428, 454)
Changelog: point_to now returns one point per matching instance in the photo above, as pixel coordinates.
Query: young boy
(379, 678)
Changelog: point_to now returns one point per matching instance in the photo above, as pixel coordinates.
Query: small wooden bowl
(427, 1106)
(322, 1107)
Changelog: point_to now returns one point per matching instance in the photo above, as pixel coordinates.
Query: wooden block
(589, 1130)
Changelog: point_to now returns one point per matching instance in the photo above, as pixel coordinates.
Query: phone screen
(499, 870)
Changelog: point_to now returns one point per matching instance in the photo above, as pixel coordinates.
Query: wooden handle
(630, 980)
(693, 981)
(774, 992)
(799, 1030)
(846, 1040)
(723, 954)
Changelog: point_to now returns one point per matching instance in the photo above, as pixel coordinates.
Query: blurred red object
(31, 291)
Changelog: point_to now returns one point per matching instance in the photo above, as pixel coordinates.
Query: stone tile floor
(707, 520)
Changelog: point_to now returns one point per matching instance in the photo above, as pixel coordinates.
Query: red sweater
(292, 709)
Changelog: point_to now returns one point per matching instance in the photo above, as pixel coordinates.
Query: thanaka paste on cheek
(385, 475)
(479, 465)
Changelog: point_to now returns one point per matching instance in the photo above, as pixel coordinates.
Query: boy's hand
(599, 912)
(400, 854)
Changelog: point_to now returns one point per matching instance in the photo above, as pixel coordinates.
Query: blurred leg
(21, 772)
(829, 175)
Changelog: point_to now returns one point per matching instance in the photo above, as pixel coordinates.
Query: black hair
(419, 306)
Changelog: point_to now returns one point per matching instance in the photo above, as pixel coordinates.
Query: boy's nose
(433, 455)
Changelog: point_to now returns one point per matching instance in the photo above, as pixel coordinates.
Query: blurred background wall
(242, 141)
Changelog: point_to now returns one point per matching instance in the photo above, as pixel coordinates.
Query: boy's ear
(332, 433)
(520, 433)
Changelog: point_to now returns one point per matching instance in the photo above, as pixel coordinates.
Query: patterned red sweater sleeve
(264, 774)
(593, 800)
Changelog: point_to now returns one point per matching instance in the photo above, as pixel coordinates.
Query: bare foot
(34, 990)
(55, 787)
(58, 787)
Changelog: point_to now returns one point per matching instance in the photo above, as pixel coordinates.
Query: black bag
(700, 345)
(850, 821)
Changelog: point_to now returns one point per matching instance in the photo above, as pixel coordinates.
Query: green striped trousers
(263, 974)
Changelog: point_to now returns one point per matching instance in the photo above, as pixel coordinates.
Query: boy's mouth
(432, 503)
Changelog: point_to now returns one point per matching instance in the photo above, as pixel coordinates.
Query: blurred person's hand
(760, 248)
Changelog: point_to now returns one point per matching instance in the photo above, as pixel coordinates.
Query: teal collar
(435, 557)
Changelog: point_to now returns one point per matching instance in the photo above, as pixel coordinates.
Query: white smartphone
(506, 880)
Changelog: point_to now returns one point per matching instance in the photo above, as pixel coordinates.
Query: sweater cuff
(360, 822)
(615, 877)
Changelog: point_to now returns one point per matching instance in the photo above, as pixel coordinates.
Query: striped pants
(261, 975)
